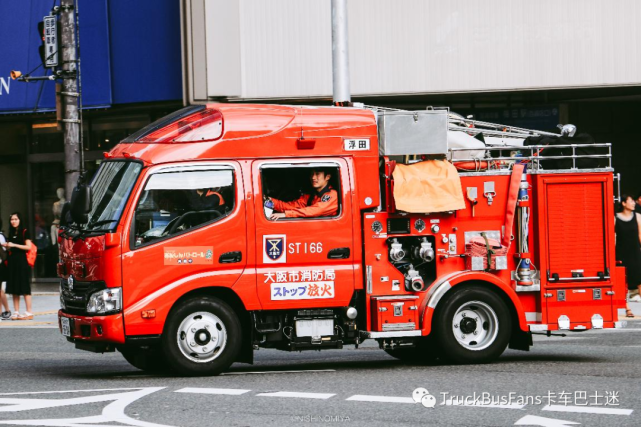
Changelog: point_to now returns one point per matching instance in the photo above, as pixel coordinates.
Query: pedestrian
(6, 313)
(637, 207)
(19, 272)
(627, 228)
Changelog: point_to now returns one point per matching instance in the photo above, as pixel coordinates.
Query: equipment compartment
(395, 313)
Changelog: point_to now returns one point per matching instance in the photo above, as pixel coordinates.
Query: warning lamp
(305, 144)
(148, 314)
(15, 74)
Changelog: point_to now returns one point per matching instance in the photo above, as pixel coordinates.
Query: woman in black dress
(627, 227)
(18, 270)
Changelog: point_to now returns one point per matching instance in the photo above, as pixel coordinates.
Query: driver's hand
(275, 216)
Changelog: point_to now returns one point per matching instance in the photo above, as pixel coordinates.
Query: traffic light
(48, 32)
(41, 48)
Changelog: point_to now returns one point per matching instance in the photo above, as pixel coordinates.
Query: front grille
(76, 299)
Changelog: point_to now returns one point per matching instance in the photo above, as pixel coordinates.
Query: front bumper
(96, 333)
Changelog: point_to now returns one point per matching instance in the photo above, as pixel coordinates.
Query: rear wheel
(202, 337)
(472, 325)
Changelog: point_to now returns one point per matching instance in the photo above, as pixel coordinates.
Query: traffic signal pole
(70, 95)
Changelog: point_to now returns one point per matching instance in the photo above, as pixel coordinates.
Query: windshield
(110, 190)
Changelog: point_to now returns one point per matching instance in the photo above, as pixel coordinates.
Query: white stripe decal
(228, 391)
(588, 410)
(388, 399)
(298, 395)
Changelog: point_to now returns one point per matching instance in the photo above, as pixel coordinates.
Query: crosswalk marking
(277, 372)
(388, 399)
(588, 410)
(297, 395)
(227, 391)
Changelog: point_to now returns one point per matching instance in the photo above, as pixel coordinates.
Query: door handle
(231, 257)
(338, 253)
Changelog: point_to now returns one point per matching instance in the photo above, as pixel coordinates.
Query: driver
(322, 201)
(206, 198)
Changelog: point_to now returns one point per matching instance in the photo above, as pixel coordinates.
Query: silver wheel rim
(201, 337)
(475, 325)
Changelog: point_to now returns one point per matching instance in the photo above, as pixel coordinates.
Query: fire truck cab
(174, 256)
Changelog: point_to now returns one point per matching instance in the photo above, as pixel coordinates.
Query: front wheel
(203, 337)
(148, 360)
(472, 325)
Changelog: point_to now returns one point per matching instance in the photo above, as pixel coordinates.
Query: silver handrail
(532, 157)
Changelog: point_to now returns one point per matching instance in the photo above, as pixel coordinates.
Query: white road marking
(532, 420)
(450, 402)
(69, 391)
(228, 391)
(112, 413)
(298, 395)
(387, 399)
(588, 410)
(277, 372)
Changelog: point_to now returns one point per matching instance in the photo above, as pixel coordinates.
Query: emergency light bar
(172, 132)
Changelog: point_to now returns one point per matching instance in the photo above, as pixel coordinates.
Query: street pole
(340, 52)
(71, 133)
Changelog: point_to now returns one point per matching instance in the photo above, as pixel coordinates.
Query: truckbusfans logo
(422, 396)
(274, 251)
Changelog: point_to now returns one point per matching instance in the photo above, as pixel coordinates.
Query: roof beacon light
(171, 132)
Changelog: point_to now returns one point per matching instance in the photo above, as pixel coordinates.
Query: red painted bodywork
(255, 134)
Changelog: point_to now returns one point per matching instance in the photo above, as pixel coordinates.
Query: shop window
(174, 202)
(309, 191)
(48, 181)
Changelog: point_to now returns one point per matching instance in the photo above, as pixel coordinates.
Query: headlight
(107, 301)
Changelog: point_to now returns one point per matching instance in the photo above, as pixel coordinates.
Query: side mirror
(80, 203)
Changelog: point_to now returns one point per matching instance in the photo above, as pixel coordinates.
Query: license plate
(64, 323)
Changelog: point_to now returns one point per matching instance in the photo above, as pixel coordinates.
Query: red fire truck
(438, 245)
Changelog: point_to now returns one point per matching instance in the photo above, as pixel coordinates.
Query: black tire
(148, 360)
(424, 352)
(202, 337)
(472, 325)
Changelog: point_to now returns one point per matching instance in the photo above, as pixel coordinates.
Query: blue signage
(129, 53)
(20, 52)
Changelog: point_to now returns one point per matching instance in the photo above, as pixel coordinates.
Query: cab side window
(174, 202)
(310, 191)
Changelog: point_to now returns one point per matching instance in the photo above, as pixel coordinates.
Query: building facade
(533, 64)
(130, 74)
(530, 64)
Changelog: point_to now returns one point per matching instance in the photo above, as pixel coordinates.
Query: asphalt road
(590, 378)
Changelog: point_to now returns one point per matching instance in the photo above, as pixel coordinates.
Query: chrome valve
(396, 253)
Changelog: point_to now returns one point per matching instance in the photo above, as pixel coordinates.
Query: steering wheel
(182, 219)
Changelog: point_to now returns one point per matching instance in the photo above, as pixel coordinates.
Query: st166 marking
(305, 248)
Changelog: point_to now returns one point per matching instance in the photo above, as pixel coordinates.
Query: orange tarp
(429, 186)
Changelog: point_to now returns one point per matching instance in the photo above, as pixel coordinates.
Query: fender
(164, 298)
(445, 283)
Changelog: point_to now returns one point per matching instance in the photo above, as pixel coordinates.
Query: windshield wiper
(91, 225)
